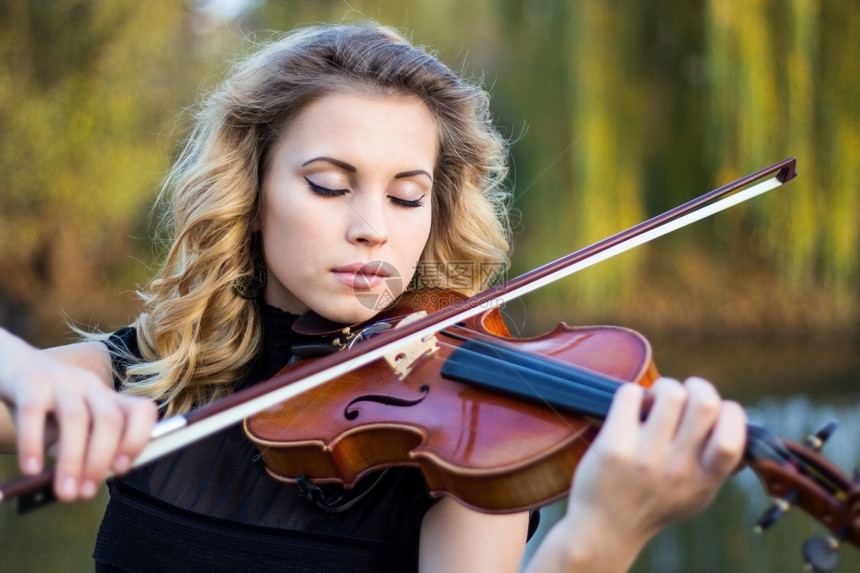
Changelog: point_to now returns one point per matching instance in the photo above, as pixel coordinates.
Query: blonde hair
(196, 335)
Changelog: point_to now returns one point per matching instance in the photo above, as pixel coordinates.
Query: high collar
(275, 351)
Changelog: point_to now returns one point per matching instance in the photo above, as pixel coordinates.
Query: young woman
(331, 163)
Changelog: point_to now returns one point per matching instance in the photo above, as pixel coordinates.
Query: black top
(210, 507)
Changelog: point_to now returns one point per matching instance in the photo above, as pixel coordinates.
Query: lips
(363, 275)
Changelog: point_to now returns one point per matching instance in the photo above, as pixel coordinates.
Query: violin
(500, 424)
(495, 422)
(379, 394)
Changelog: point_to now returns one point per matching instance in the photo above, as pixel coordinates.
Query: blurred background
(616, 111)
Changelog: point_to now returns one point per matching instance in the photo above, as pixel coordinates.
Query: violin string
(517, 372)
(484, 368)
(525, 382)
(179, 431)
(591, 380)
(779, 454)
(772, 448)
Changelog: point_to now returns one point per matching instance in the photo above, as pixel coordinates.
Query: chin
(352, 313)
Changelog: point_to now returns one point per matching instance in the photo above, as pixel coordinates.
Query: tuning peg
(816, 441)
(775, 512)
(821, 553)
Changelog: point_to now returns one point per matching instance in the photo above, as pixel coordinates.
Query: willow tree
(784, 82)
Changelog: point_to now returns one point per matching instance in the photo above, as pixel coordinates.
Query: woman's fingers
(665, 415)
(623, 419)
(725, 446)
(105, 435)
(73, 419)
(140, 416)
(96, 429)
(107, 426)
(702, 407)
(63, 400)
(711, 428)
(32, 417)
(670, 464)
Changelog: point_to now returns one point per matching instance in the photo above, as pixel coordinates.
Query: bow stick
(182, 430)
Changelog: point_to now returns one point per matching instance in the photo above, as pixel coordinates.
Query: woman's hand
(64, 398)
(639, 476)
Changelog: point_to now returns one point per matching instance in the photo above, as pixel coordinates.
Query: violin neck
(524, 376)
(570, 389)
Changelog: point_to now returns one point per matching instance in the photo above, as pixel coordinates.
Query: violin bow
(181, 430)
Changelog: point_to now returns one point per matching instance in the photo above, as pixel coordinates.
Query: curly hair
(196, 335)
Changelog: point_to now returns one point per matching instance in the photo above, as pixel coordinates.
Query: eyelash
(411, 203)
(326, 192)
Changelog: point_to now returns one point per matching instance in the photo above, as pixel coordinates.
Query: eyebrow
(337, 162)
(351, 168)
(413, 174)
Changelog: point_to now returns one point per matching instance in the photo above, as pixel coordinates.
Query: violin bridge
(402, 359)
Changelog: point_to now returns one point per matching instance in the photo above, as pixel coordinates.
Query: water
(721, 538)
(61, 537)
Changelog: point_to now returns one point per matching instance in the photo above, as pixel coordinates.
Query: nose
(367, 225)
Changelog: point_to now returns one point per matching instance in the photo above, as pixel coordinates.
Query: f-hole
(351, 413)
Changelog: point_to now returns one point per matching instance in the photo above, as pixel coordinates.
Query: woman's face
(346, 204)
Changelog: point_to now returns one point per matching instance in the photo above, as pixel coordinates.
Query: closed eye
(407, 202)
(325, 191)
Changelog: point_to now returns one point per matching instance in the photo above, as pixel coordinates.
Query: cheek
(419, 233)
(281, 206)
(413, 245)
(284, 233)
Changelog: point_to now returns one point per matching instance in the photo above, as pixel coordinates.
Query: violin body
(490, 451)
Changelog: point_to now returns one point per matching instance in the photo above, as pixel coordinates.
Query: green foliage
(87, 90)
(616, 112)
(784, 85)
